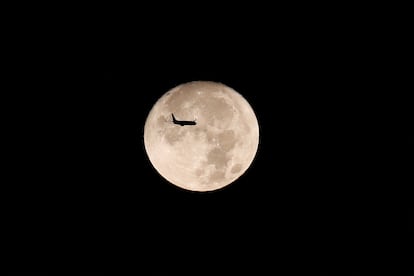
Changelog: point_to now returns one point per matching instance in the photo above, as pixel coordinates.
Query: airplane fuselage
(183, 123)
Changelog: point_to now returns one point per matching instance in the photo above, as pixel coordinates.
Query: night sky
(311, 196)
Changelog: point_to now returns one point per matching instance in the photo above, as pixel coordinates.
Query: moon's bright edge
(214, 152)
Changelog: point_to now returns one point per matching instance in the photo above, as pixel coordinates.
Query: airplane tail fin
(174, 120)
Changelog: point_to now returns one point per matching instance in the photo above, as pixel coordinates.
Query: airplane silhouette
(182, 123)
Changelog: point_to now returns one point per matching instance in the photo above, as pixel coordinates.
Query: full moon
(212, 141)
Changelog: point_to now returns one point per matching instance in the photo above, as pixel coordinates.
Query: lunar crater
(236, 168)
(218, 158)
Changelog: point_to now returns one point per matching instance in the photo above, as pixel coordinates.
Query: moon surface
(214, 152)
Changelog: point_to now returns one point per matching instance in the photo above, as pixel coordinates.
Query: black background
(312, 195)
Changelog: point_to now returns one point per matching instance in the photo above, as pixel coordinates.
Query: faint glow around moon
(214, 152)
